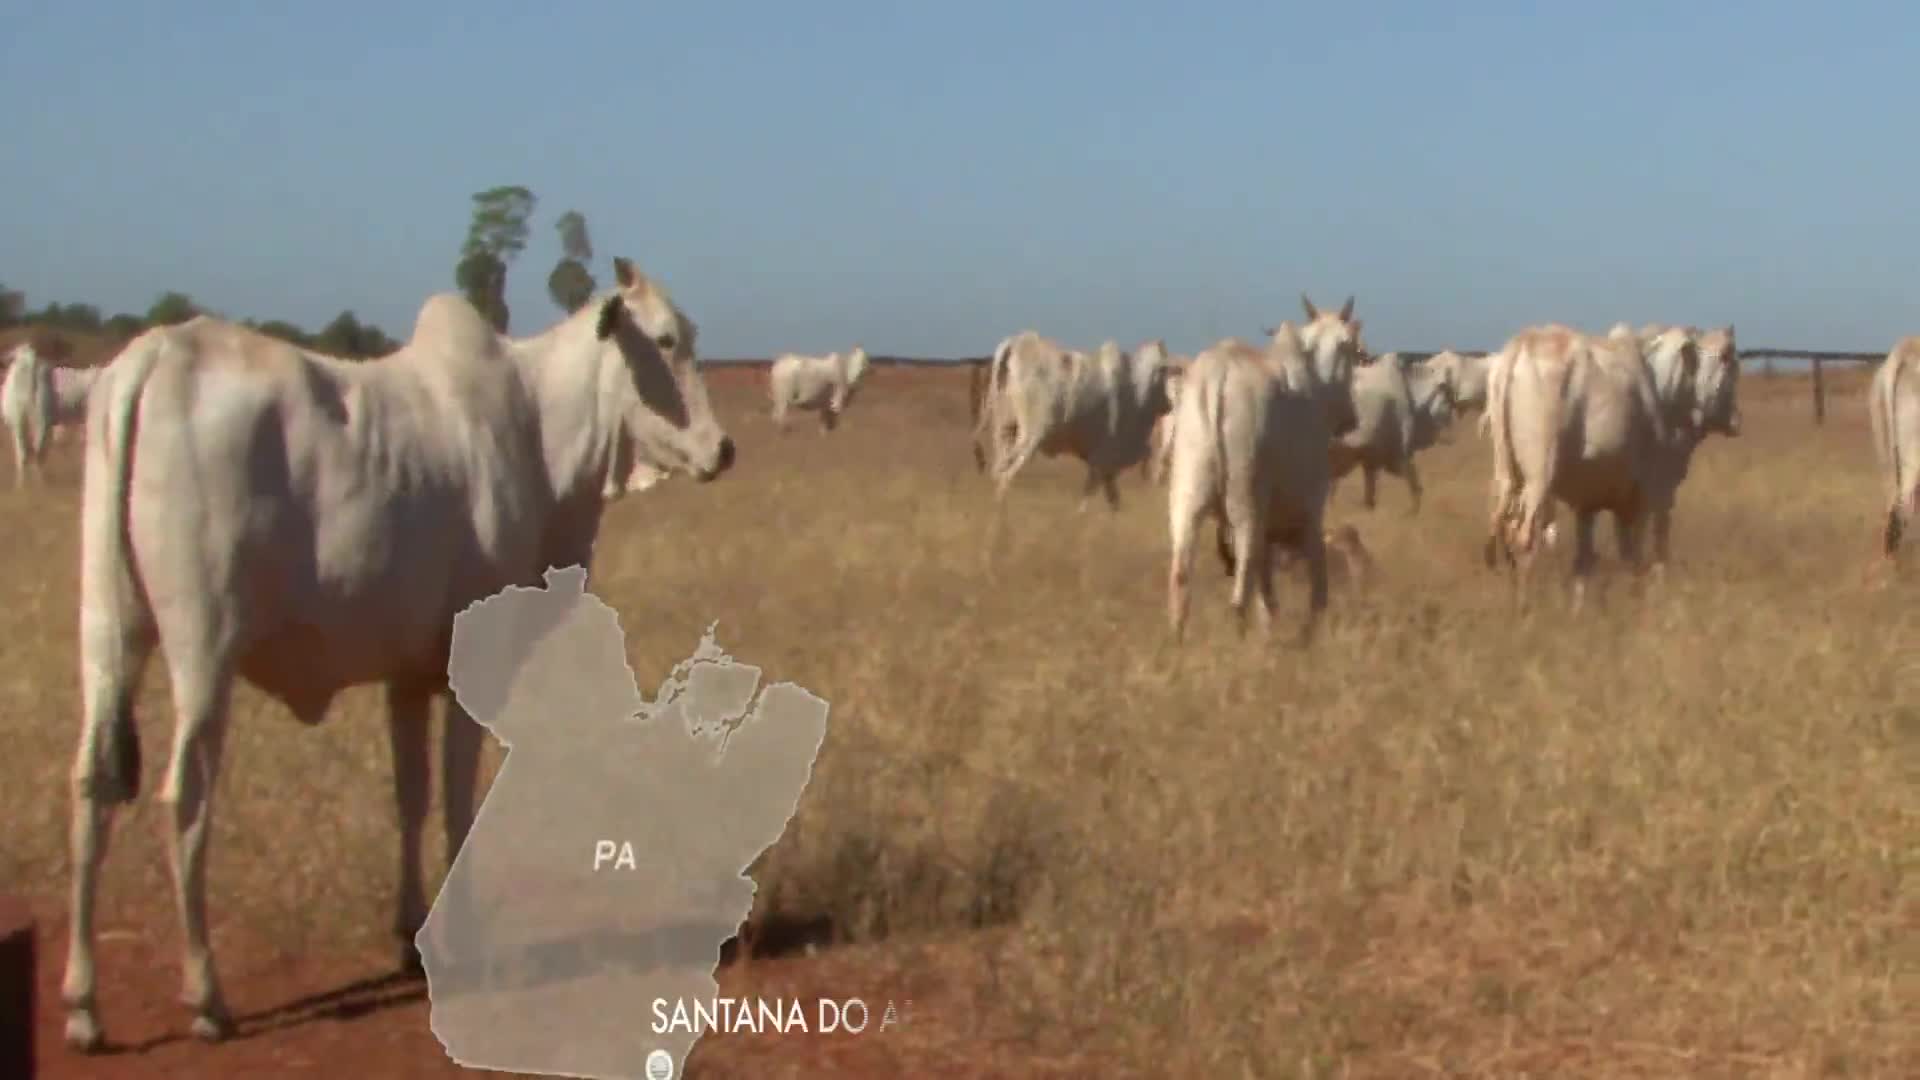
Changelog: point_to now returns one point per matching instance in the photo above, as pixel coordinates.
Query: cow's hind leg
(1412, 476)
(1222, 545)
(460, 738)
(19, 457)
(202, 677)
(106, 773)
(1313, 549)
(1017, 459)
(408, 713)
(1660, 521)
(1249, 532)
(38, 436)
(1584, 555)
(1188, 501)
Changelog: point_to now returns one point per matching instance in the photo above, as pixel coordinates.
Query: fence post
(1819, 394)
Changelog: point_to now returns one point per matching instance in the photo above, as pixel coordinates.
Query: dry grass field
(1676, 836)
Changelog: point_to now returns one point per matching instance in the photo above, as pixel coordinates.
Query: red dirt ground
(343, 1015)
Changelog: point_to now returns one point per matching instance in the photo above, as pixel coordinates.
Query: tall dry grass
(1675, 836)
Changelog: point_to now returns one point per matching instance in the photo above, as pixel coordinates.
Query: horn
(1346, 310)
(1312, 312)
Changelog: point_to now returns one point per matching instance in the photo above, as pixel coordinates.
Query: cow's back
(1267, 439)
(1382, 423)
(343, 512)
(1580, 417)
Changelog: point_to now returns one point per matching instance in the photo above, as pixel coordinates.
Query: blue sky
(927, 179)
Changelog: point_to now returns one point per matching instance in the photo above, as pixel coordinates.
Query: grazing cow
(1044, 399)
(1893, 406)
(1399, 411)
(1601, 423)
(1250, 449)
(310, 524)
(823, 384)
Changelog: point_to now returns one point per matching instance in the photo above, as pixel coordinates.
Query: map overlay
(606, 866)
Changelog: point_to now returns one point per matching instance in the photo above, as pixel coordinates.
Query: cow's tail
(1213, 419)
(983, 402)
(113, 607)
(1906, 494)
(1537, 495)
(1498, 426)
(1499, 429)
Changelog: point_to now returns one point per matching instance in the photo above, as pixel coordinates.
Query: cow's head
(1150, 373)
(1672, 360)
(1176, 378)
(1442, 404)
(1717, 381)
(856, 364)
(664, 409)
(1333, 346)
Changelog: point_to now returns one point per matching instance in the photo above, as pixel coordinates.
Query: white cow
(1042, 398)
(310, 524)
(1602, 423)
(824, 384)
(39, 401)
(1893, 406)
(70, 389)
(1399, 411)
(25, 400)
(1250, 449)
(1466, 376)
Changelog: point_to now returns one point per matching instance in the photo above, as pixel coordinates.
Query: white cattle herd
(259, 511)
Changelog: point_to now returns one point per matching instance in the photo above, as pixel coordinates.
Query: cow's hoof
(212, 1027)
(84, 1034)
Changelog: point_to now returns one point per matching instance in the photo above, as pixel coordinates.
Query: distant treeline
(345, 336)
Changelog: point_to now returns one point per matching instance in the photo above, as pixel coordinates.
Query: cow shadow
(527, 967)
(349, 1001)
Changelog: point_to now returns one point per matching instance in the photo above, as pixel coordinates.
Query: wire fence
(1816, 359)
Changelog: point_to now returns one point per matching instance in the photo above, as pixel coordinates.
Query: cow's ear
(624, 272)
(609, 317)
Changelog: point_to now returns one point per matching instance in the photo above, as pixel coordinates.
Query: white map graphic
(607, 864)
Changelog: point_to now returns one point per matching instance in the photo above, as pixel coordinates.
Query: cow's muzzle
(722, 461)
